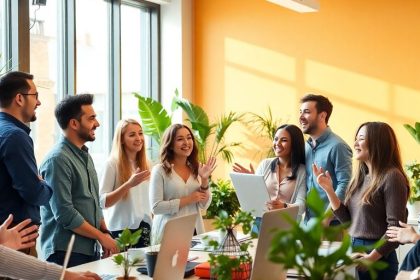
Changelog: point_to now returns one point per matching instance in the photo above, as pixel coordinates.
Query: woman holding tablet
(284, 175)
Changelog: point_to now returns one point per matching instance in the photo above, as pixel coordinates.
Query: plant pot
(129, 278)
(413, 210)
(151, 258)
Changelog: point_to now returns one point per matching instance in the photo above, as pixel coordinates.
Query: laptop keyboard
(107, 276)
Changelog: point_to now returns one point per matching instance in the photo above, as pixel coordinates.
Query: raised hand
(404, 234)
(205, 170)
(323, 178)
(18, 237)
(138, 176)
(240, 169)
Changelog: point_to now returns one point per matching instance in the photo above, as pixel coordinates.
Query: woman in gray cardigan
(284, 175)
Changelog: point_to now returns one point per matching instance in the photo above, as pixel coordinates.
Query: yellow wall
(363, 55)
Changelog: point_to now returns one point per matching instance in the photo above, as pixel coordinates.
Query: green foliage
(265, 126)
(225, 266)
(413, 172)
(299, 247)
(155, 119)
(125, 240)
(223, 197)
(414, 131)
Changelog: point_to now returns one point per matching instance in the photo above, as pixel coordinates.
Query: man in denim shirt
(22, 190)
(324, 148)
(74, 207)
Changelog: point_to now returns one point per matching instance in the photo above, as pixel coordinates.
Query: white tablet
(251, 191)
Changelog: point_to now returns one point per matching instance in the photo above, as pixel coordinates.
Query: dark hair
(384, 154)
(167, 152)
(297, 156)
(323, 104)
(71, 108)
(12, 83)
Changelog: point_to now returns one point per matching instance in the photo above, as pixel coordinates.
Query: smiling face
(282, 143)
(361, 145)
(309, 118)
(132, 138)
(87, 124)
(183, 143)
(31, 103)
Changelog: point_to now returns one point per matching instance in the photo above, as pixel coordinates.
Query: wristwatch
(285, 205)
(204, 189)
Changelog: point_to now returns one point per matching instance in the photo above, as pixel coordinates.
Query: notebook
(67, 256)
(251, 191)
(262, 268)
(174, 248)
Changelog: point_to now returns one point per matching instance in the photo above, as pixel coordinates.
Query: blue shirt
(332, 154)
(71, 173)
(21, 190)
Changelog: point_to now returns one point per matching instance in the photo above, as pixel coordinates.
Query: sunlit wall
(363, 55)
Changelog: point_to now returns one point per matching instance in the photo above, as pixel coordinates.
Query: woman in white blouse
(124, 188)
(285, 174)
(179, 184)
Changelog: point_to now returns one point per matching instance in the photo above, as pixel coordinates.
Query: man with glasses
(22, 190)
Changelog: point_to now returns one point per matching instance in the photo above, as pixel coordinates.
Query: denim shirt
(21, 190)
(71, 173)
(332, 154)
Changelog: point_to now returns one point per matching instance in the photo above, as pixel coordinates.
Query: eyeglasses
(36, 94)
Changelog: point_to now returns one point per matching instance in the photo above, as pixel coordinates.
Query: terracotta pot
(129, 278)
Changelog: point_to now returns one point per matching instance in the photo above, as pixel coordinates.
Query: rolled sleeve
(57, 171)
(20, 162)
(342, 159)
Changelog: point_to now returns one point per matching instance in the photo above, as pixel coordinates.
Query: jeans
(388, 273)
(75, 258)
(412, 259)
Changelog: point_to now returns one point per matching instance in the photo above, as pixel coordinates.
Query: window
(44, 66)
(135, 57)
(106, 48)
(3, 40)
(92, 75)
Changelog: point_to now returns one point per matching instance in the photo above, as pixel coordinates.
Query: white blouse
(165, 193)
(129, 211)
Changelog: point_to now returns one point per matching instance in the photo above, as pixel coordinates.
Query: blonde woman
(124, 188)
(179, 184)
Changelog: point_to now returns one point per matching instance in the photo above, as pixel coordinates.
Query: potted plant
(414, 131)
(299, 247)
(125, 240)
(223, 197)
(230, 259)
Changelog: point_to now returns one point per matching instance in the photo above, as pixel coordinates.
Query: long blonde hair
(384, 154)
(124, 167)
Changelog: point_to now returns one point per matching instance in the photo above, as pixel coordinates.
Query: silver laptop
(251, 191)
(262, 268)
(174, 248)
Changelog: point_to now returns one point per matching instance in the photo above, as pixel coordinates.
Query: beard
(85, 135)
(310, 129)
